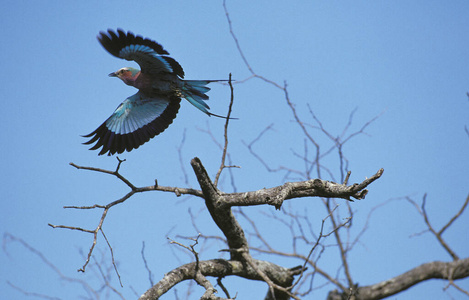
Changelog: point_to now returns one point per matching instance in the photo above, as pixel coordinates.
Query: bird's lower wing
(133, 123)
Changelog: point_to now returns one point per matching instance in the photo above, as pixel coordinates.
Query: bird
(161, 85)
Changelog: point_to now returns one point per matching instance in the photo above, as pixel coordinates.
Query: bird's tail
(194, 92)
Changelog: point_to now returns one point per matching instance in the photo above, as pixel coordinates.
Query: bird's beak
(113, 74)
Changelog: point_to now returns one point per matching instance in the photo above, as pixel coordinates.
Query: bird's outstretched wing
(150, 55)
(133, 123)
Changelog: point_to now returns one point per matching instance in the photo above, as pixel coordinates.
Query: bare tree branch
(289, 190)
(434, 270)
(307, 260)
(32, 294)
(88, 286)
(254, 75)
(218, 268)
(156, 187)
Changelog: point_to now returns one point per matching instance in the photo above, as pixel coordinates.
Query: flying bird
(160, 87)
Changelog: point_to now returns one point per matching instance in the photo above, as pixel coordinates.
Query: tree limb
(220, 268)
(434, 270)
(310, 188)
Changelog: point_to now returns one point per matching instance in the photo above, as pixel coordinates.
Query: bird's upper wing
(134, 122)
(150, 55)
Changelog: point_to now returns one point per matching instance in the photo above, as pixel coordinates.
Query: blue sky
(405, 60)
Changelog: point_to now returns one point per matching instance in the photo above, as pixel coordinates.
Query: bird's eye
(121, 71)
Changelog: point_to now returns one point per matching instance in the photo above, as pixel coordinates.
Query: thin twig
(438, 234)
(321, 235)
(112, 257)
(150, 276)
(450, 222)
(254, 75)
(179, 149)
(225, 148)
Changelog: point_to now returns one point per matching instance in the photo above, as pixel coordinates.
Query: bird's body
(162, 84)
(160, 87)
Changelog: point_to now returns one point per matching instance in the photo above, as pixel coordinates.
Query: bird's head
(127, 74)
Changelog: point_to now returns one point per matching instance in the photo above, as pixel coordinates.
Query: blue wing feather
(134, 122)
(150, 55)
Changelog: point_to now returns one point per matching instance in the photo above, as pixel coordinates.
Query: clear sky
(406, 60)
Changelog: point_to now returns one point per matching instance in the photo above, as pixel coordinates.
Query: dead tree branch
(433, 270)
(289, 190)
(222, 202)
(220, 268)
(97, 284)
